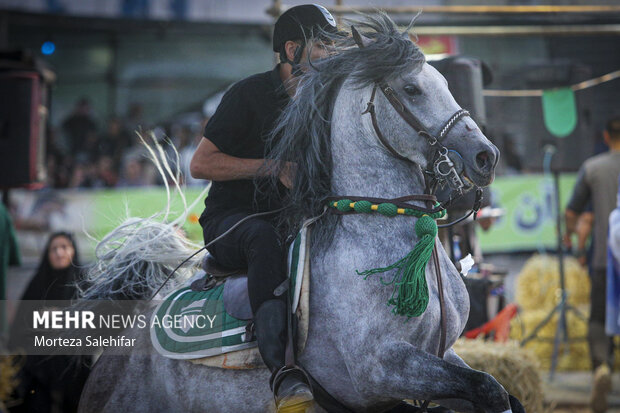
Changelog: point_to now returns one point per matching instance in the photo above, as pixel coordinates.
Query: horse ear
(361, 40)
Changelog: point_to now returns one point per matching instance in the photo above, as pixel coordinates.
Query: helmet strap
(296, 71)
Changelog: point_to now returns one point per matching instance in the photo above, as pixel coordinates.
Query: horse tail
(138, 256)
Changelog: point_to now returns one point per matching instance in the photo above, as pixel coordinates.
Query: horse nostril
(484, 160)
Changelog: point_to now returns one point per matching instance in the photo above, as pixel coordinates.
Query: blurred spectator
(116, 156)
(50, 384)
(58, 171)
(136, 150)
(133, 174)
(106, 175)
(135, 118)
(597, 182)
(78, 125)
(84, 175)
(90, 148)
(115, 141)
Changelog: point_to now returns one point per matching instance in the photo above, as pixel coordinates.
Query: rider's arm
(210, 163)
(226, 135)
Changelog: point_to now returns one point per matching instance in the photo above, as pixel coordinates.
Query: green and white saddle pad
(194, 324)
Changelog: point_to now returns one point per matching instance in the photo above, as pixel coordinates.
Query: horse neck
(361, 165)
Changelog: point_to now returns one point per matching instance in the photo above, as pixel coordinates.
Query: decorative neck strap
(359, 204)
(384, 208)
(410, 294)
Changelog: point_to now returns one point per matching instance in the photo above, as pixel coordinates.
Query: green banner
(528, 222)
(559, 111)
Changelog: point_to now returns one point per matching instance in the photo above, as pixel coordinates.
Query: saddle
(217, 270)
(219, 295)
(235, 294)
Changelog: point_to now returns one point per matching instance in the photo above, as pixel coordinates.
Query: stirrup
(279, 375)
(298, 400)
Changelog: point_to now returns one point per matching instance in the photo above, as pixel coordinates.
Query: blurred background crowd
(86, 151)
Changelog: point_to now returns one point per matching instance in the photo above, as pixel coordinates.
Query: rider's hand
(287, 174)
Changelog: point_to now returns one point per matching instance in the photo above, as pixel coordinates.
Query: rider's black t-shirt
(243, 120)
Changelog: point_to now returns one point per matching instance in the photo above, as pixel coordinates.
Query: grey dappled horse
(366, 357)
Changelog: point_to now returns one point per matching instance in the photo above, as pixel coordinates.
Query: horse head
(327, 132)
(414, 104)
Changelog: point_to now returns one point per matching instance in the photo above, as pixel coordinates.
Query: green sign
(529, 220)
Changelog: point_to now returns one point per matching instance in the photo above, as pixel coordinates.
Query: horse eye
(412, 90)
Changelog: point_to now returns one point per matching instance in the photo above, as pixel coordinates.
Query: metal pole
(561, 332)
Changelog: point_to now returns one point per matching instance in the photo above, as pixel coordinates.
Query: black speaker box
(23, 116)
(466, 78)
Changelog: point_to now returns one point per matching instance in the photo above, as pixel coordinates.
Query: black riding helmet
(301, 23)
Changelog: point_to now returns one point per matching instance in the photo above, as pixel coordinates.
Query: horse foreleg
(464, 405)
(401, 371)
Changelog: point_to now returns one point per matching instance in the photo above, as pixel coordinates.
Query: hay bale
(573, 356)
(538, 283)
(513, 367)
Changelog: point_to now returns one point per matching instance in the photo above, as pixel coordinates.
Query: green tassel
(410, 294)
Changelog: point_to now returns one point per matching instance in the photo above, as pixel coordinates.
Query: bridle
(443, 169)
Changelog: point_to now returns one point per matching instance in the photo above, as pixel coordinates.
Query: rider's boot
(290, 387)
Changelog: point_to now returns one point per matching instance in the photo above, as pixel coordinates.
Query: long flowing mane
(302, 132)
(134, 259)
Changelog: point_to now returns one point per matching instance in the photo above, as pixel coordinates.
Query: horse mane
(302, 133)
(134, 259)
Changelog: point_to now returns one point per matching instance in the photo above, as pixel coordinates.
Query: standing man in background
(597, 182)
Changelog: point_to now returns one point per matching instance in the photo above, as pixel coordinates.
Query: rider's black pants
(255, 244)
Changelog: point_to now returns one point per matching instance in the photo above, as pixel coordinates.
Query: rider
(231, 155)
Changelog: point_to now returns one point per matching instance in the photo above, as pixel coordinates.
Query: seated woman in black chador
(47, 383)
